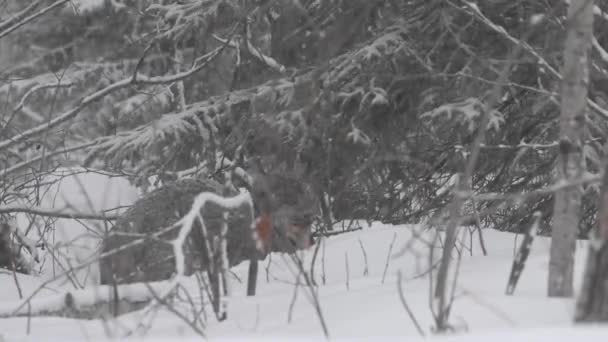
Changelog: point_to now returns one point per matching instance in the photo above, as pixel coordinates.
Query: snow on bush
(70, 242)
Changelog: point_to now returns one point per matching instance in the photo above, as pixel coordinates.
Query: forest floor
(354, 301)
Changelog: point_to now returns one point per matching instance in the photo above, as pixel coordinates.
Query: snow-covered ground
(357, 306)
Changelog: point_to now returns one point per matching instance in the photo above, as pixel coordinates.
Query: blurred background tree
(377, 101)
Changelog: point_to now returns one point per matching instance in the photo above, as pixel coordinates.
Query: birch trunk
(575, 76)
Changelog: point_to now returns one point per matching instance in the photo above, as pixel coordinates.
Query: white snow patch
(75, 241)
(88, 6)
(537, 18)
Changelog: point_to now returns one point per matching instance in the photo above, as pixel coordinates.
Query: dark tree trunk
(252, 277)
(522, 255)
(592, 303)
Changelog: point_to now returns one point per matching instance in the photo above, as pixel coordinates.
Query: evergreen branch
(275, 97)
(170, 125)
(84, 102)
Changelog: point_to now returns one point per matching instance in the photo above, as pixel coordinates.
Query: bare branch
(5, 32)
(529, 49)
(406, 306)
(27, 163)
(19, 16)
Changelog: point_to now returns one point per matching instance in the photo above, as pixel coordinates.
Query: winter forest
(304, 169)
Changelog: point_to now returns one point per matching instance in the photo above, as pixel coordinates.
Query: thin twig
(314, 261)
(268, 268)
(327, 234)
(366, 269)
(47, 155)
(407, 307)
(347, 271)
(388, 257)
(520, 44)
(323, 275)
(292, 304)
(311, 293)
(163, 301)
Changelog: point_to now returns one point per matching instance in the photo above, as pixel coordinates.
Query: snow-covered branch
(186, 224)
(37, 88)
(25, 20)
(255, 52)
(58, 213)
(188, 220)
(90, 303)
(87, 263)
(134, 80)
(19, 16)
(494, 196)
(520, 146)
(269, 61)
(524, 144)
(601, 51)
(223, 163)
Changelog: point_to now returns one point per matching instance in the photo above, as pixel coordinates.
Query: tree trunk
(575, 75)
(592, 304)
(252, 277)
